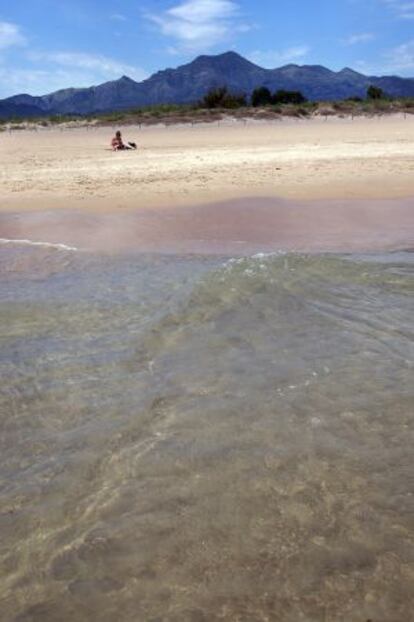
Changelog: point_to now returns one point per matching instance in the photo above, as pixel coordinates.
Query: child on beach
(117, 143)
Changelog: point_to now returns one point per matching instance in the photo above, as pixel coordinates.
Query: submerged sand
(331, 185)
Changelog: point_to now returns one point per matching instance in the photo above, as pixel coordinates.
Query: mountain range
(189, 83)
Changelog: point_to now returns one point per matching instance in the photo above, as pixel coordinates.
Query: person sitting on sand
(117, 143)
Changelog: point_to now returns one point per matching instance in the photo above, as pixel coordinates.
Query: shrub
(292, 110)
(288, 97)
(261, 97)
(222, 98)
(381, 105)
(374, 92)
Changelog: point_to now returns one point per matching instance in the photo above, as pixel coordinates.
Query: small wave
(257, 257)
(58, 246)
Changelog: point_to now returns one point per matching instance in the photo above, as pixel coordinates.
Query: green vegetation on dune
(221, 102)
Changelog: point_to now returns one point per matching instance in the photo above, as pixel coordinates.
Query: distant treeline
(221, 97)
(219, 102)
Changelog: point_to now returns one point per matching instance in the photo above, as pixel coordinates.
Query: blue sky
(50, 44)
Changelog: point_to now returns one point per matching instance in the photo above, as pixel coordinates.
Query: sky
(47, 45)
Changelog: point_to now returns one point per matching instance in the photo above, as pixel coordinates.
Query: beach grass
(169, 114)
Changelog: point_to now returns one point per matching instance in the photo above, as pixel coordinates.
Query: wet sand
(235, 227)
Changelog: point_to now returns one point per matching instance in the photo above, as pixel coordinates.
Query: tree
(220, 97)
(261, 97)
(374, 92)
(288, 97)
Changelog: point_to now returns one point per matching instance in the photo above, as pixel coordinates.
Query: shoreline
(240, 227)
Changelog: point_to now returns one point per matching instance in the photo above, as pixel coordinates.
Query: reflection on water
(194, 439)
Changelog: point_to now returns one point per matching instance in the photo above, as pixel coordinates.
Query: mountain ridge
(188, 83)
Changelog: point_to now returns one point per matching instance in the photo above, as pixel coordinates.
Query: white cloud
(362, 37)
(200, 24)
(403, 9)
(34, 81)
(401, 58)
(397, 61)
(10, 35)
(60, 70)
(101, 67)
(275, 58)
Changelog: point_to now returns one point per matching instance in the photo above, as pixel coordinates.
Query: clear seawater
(203, 439)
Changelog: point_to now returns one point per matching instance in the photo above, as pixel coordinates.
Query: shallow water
(194, 438)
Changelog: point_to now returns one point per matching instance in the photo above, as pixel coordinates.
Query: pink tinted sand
(236, 227)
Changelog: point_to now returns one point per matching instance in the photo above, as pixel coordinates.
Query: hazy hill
(188, 83)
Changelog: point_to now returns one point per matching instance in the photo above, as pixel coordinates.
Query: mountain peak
(189, 83)
(230, 55)
(296, 70)
(347, 71)
(230, 58)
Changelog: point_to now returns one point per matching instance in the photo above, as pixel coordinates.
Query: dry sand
(321, 166)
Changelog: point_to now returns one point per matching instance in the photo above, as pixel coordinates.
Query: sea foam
(57, 246)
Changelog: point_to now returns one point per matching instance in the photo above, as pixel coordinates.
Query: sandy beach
(319, 167)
